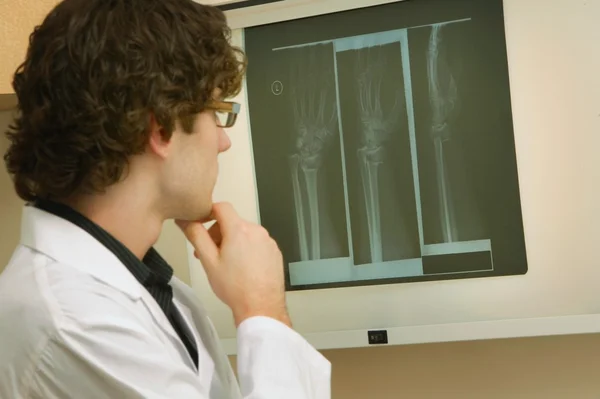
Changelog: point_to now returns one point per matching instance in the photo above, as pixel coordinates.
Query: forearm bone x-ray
(314, 127)
(443, 96)
(376, 128)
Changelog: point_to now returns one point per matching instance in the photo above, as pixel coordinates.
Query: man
(121, 116)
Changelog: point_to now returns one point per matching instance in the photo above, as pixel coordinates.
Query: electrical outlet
(378, 337)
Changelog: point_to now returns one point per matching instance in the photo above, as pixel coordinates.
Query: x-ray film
(383, 144)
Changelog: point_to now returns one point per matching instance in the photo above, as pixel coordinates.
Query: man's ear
(158, 143)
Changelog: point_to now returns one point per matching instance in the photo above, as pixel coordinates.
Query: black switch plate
(378, 337)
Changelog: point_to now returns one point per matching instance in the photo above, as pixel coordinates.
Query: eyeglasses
(226, 112)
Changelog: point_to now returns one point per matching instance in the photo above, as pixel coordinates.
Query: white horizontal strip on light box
(454, 332)
(293, 9)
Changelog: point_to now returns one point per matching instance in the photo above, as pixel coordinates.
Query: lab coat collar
(67, 243)
(187, 301)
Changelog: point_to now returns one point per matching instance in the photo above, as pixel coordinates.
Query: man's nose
(224, 141)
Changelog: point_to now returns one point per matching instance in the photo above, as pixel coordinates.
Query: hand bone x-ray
(383, 144)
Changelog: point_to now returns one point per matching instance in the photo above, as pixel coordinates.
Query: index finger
(226, 216)
(205, 248)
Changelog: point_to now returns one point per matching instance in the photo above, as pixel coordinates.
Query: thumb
(205, 247)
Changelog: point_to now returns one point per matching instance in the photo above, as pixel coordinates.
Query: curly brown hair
(95, 73)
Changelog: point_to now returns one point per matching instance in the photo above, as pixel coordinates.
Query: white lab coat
(75, 323)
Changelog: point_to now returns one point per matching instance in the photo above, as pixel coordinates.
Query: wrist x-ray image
(383, 144)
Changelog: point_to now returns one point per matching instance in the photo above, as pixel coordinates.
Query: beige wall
(548, 367)
(10, 204)
(531, 368)
(18, 18)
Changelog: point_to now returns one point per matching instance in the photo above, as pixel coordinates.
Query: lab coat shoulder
(109, 344)
(92, 343)
(102, 362)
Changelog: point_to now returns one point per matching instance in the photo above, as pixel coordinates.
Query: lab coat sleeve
(275, 362)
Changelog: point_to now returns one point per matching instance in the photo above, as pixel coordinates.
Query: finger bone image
(315, 117)
(376, 126)
(443, 95)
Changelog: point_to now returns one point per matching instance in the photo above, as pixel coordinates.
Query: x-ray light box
(401, 154)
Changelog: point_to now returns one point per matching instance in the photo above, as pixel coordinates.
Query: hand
(243, 264)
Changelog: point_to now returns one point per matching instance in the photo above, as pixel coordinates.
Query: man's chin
(203, 215)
